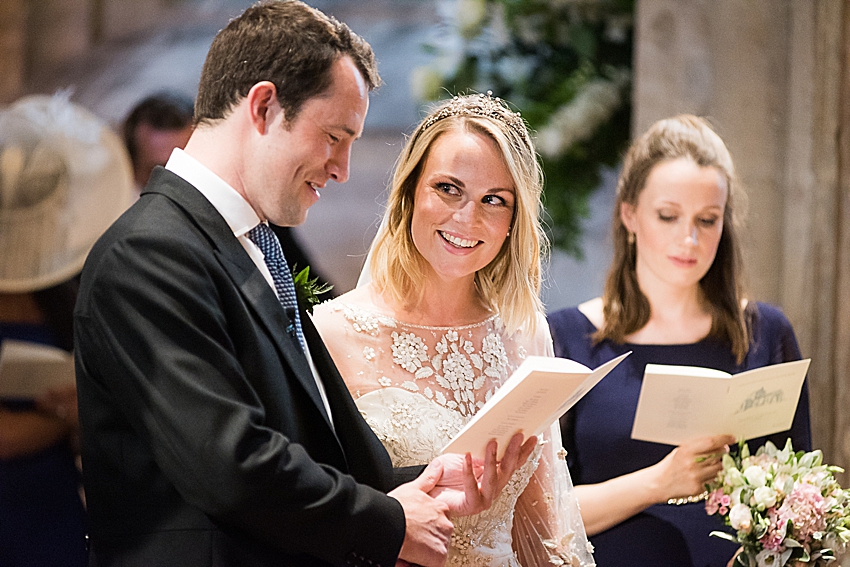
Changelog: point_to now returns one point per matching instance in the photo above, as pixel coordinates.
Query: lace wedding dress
(417, 386)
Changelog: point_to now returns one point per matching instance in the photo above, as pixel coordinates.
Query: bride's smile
(457, 241)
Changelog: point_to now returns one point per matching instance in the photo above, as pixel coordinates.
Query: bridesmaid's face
(677, 223)
(463, 205)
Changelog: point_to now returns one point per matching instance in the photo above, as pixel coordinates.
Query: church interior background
(773, 76)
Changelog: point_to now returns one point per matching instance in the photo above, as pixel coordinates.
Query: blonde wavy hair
(510, 283)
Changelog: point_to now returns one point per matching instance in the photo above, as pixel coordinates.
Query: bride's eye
(447, 188)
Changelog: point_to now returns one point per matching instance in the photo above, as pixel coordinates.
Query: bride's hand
(453, 471)
(469, 486)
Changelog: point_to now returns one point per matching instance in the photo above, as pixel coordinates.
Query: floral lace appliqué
(460, 371)
(456, 367)
(421, 385)
(494, 353)
(365, 321)
(409, 351)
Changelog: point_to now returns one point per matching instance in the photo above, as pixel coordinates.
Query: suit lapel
(244, 273)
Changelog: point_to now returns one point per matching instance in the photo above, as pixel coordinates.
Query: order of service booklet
(535, 395)
(678, 403)
(28, 370)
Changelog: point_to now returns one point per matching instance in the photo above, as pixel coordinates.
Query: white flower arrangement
(577, 120)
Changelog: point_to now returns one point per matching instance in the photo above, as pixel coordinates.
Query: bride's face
(463, 205)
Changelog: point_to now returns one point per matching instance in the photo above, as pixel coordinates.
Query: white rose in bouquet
(741, 518)
(755, 475)
(764, 497)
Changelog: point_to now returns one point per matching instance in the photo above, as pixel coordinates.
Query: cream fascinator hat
(64, 178)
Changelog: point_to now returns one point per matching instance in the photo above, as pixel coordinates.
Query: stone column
(842, 339)
(726, 60)
(816, 244)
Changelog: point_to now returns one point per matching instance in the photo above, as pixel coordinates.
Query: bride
(451, 310)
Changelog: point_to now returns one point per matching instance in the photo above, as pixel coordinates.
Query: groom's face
(299, 156)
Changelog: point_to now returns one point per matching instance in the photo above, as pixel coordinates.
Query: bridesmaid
(673, 296)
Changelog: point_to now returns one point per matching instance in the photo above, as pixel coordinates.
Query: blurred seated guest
(673, 296)
(153, 128)
(63, 179)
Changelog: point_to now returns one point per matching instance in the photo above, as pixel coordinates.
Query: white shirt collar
(237, 212)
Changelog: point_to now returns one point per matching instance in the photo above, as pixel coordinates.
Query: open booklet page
(535, 395)
(678, 403)
(28, 370)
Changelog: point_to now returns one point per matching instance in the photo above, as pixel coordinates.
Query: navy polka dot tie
(269, 245)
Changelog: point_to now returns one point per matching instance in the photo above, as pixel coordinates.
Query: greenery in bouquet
(565, 65)
(786, 507)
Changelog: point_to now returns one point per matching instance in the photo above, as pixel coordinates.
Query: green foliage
(566, 65)
(308, 290)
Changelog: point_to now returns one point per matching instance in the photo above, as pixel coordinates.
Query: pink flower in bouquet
(718, 502)
(775, 536)
(806, 508)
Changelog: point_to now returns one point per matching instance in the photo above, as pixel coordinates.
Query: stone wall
(40, 38)
(12, 49)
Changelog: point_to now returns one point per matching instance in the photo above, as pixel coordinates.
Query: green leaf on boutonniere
(308, 290)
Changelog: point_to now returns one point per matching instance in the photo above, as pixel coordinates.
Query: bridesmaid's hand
(687, 468)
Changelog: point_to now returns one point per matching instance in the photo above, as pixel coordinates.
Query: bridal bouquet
(787, 507)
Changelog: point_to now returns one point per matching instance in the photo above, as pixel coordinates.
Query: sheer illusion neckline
(401, 323)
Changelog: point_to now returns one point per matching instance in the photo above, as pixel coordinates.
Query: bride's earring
(508, 234)
(631, 238)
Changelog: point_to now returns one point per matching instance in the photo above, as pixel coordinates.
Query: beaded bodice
(416, 386)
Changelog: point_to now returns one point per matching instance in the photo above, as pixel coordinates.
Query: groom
(215, 428)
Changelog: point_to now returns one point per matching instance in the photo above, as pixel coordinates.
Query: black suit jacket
(204, 438)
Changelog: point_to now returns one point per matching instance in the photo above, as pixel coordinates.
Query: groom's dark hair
(285, 42)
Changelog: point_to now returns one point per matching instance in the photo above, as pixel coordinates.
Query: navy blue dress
(42, 520)
(597, 435)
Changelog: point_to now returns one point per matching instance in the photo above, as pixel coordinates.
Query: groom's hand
(469, 486)
(427, 525)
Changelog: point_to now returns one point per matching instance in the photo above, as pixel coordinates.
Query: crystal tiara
(483, 105)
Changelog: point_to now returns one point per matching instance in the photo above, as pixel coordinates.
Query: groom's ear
(262, 106)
